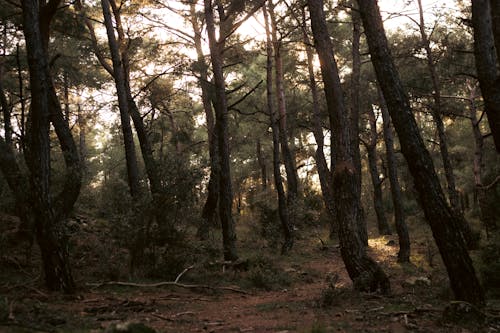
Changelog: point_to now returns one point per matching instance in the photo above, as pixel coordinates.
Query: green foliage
(264, 274)
(490, 265)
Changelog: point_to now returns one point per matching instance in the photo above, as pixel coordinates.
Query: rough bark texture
(354, 115)
(436, 110)
(487, 61)
(278, 182)
(378, 203)
(221, 128)
(364, 271)
(119, 77)
(48, 211)
(209, 212)
(325, 177)
(397, 199)
(288, 158)
(444, 223)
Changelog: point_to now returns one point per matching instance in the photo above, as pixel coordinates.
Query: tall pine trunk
(221, 129)
(443, 221)
(283, 210)
(364, 271)
(397, 198)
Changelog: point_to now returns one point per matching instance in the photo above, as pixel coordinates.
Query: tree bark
(397, 199)
(378, 202)
(443, 221)
(487, 61)
(262, 165)
(325, 177)
(354, 116)
(221, 128)
(436, 111)
(364, 271)
(209, 212)
(119, 77)
(48, 212)
(283, 210)
(288, 158)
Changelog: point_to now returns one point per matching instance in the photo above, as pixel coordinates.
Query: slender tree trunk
(221, 128)
(443, 221)
(209, 212)
(82, 133)
(487, 60)
(278, 183)
(288, 158)
(436, 109)
(354, 116)
(378, 202)
(364, 271)
(397, 198)
(325, 177)
(262, 165)
(488, 220)
(119, 77)
(21, 98)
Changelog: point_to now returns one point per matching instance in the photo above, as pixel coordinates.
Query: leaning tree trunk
(278, 182)
(221, 129)
(119, 77)
(364, 271)
(288, 158)
(397, 198)
(436, 111)
(443, 221)
(378, 202)
(209, 212)
(487, 60)
(325, 177)
(354, 115)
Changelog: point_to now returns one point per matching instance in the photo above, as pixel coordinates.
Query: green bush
(490, 265)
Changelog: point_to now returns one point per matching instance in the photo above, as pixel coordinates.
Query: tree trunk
(354, 116)
(397, 199)
(378, 203)
(119, 77)
(48, 212)
(262, 165)
(288, 158)
(364, 271)
(488, 221)
(278, 183)
(221, 128)
(443, 221)
(487, 61)
(209, 212)
(325, 177)
(436, 111)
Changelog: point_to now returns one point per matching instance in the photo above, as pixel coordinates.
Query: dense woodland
(209, 146)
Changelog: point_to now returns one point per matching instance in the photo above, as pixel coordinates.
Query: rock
(416, 281)
(460, 312)
(129, 327)
(391, 243)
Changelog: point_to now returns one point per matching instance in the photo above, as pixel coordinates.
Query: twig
(183, 272)
(168, 283)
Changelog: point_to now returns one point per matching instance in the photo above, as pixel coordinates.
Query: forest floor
(305, 291)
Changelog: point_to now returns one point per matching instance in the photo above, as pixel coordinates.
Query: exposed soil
(316, 296)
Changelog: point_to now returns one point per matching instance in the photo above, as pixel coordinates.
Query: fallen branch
(182, 273)
(167, 283)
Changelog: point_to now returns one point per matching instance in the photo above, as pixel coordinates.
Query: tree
(486, 24)
(397, 200)
(442, 219)
(35, 200)
(371, 149)
(364, 271)
(283, 205)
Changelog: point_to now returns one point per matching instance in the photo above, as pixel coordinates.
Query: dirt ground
(317, 296)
